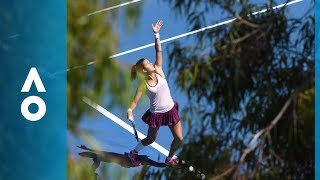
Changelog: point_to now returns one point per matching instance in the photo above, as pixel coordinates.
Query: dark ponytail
(133, 72)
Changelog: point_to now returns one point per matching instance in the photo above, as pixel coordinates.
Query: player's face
(148, 66)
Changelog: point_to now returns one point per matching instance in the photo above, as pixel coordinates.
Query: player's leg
(151, 137)
(177, 139)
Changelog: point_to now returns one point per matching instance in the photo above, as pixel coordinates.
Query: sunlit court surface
(242, 73)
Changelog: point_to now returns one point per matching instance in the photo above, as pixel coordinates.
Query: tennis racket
(134, 128)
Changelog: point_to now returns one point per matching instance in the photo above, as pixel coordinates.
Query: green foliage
(93, 39)
(238, 77)
(79, 170)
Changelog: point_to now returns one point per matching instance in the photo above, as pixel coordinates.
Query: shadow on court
(111, 157)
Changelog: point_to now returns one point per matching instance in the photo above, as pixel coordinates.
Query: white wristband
(129, 110)
(157, 35)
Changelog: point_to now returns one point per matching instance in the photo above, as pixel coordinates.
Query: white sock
(139, 147)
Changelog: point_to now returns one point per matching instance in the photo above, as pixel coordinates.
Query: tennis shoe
(170, 161)
(134, 158)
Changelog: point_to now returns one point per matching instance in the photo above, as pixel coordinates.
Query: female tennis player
(163, 110)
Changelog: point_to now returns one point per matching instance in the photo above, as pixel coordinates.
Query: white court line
(199, 30)
(189, 33)
(123, 124)
(113, 7)
(277, 7)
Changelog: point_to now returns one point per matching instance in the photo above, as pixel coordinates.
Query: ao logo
(33, 76)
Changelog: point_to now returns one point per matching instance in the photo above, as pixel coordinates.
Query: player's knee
(151, 139)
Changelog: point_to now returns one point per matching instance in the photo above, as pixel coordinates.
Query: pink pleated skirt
(162, 119)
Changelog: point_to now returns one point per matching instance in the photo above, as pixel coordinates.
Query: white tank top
(160, 96)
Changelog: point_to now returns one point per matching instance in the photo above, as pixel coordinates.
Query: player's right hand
(130, 116)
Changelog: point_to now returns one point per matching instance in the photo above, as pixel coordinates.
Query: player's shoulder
(159, 71)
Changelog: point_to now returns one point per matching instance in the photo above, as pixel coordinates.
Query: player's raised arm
(156, 28)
